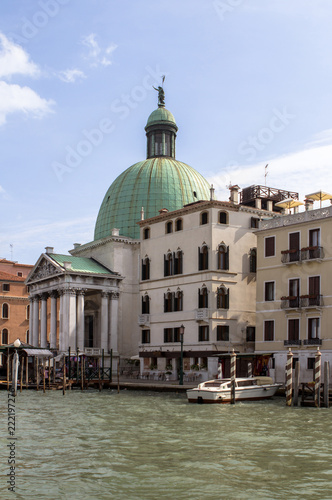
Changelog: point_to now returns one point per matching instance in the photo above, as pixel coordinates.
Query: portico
(73, 304)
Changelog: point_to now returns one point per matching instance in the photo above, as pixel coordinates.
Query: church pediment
(43, 269)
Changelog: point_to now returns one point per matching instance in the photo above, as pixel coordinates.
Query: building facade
(294, 302)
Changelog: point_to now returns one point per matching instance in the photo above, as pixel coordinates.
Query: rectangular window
(310, 363)
(145, 336)
(223, 333)
(269, 291)
(295, 360)
(5, 287)
(203, 333)
(294, 292)
(251, 334)
(294, 247)
(293, 329)
(176, 334)
(203, 258)
(314, 285)
(268, 331)
(203, 298)
(168, 335)
(254, 222)
(145, 269)
(313, 328)
(270, 246)
(314, 237)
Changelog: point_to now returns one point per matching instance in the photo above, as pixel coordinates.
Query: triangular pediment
(43, 269)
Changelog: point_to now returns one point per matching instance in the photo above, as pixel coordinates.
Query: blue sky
(248, 81)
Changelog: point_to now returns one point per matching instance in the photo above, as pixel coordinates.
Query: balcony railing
(311, 301)
(290, 302)
(312, 253)
(92, 351)
(292, 342)
(202, 314)
(312, 342)
(144, 319)
(290, 256)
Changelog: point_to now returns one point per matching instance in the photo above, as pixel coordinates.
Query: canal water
(144, 445)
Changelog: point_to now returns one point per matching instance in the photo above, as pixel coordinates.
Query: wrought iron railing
(311, 300)
(292, 342)
(311, 253)
(312, 341)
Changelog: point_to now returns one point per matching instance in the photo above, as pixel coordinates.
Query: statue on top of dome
(161, 93)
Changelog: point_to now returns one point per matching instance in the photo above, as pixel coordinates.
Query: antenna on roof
(266, 172)
(11, 251)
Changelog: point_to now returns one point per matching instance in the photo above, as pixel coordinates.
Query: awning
(40, 353)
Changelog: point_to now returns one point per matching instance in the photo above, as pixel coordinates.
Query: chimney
(67, 265)
(269, 205)
(234, 194)
(142, 213)
(211, 192)
(163, 211)
(308, 204)
(49, 250)
(115, 231)
(76, 245)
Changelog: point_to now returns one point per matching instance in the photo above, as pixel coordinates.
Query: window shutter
(165, 266)
(227, 260)
(227, 299)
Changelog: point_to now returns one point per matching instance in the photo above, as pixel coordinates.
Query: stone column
(35, 321)
(71, 323)
(43, 321)
(163, 143)
(31, 299)
(113, 330)
(80, 319)
(62, 320)
(54, 296)
(104, 321)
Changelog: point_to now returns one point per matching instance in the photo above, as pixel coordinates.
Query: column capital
(114, 295)
(54, 294)
(81, 291)
(105, 293)
(35, 298)
(70, 291)
(44, 296)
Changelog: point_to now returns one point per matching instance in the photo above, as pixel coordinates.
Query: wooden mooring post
(289, 381)
(64, 377)
(21, 376)
(249, 369)
(27, 371)
(296, 384)
(233, 376)
(44, 378)
(37, 372)
(318, 363)
(326, 384)
(118, 373)
(8, 368)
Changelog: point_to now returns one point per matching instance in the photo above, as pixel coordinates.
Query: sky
(248, 81)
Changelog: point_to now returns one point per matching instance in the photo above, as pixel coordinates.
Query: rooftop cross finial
(161, 93)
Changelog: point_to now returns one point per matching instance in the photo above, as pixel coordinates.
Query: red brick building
(14, 302)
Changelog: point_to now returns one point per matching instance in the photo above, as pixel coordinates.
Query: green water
(142, 445)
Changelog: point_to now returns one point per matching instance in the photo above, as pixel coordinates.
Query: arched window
(146, 268)
(203, 300)
(168, 302)
(4, 336)
(178, 261)
(168, 264)
(146, 233)
(178, 225)
(203, 258)
(28, 311)
(145, 304)
(223, 257)
(204, 218)
(169, 227)
(27, 337)
(222, 297)
(253, 260)
(178, 301)
(5, 311)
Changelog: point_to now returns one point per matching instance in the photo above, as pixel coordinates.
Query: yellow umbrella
(289, 203)
(319, 196)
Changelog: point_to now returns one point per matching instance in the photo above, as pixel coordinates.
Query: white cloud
(14, 98)
(96, 54)
(303, 171)
(71, 75)
(14, 60)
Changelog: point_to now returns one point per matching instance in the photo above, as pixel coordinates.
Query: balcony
(308, 301)
(312, 253)
(202, 314)
(92, 351)
(312, 342)
(143, 319)
(292, 342)
(290, 256)
(290, 302)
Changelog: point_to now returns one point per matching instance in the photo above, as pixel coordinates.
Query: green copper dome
(160, 115)
(158, 182)
(153, 184)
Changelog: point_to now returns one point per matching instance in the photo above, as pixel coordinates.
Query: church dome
(158, 182)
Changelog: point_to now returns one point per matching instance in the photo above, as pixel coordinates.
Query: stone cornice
(11, 297)
(103, 241)
(299, 218)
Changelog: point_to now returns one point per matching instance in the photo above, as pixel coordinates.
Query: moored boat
(246, 389)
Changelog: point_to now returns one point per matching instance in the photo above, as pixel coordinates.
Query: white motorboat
(246, 389)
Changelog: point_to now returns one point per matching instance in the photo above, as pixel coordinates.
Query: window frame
(272, 323)
(204, 218)
(267, 291)
(146, 336)
(5, 307)
(220, 334)
(267, 255)
(203, 333)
